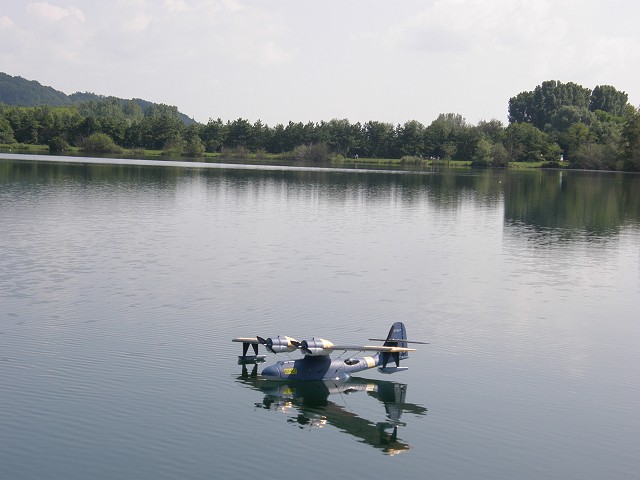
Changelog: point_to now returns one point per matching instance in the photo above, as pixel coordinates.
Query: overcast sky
(307, 60)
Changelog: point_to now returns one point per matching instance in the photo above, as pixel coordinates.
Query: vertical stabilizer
(396, 338)
(397, 334)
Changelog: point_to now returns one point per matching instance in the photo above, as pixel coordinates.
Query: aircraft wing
(372, 348)
(252, 340)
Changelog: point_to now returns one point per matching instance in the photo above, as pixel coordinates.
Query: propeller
(278, 344)
(268, 343)
(304, 346)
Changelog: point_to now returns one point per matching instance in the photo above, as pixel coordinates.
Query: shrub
(411, 160)
(314, 153)
(194, 147)
(100, 143)
(58, 144)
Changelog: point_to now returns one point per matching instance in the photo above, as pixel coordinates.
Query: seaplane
(316, 362)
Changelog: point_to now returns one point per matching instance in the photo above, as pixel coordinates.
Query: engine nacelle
(279, 344)
(316, 347)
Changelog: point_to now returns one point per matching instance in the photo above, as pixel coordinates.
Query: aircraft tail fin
(397, 337)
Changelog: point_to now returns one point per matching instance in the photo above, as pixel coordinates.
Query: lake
(123, 282)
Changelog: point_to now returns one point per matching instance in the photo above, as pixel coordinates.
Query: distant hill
(30, 93)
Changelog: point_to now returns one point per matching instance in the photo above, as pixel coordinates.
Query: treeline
(594, 129)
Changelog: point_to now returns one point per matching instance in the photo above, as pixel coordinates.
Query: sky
(306, 60)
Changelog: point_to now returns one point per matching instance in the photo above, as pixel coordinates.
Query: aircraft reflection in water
(315, 410)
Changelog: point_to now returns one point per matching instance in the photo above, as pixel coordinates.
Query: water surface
(122, 283)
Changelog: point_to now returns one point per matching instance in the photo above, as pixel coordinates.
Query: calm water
(121, 286)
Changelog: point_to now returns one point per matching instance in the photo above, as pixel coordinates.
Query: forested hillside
(593, 129)
(30, 93)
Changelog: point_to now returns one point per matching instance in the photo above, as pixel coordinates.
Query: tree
(192, 145)
(538, 106)
(238, 134)
(499, 155)
(450, 135)
(489, 154)
(483, 155)
(160, 127)
(631, 141)
(577, 136)
(410, 137)
(6, 132)
(493, 129)
(592, 156)
(259, 136)
(608, 99)
(341, 135)
(213, 135)
(379, 140)
(526, 143)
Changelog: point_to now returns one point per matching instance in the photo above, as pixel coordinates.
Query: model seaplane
(316, 363)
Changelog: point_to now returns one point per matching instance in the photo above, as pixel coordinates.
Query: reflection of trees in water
(558, 202)
(564, 203)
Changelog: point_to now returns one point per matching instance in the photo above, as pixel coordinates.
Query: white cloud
(52, 13)
(271, 54)
(175, 6)
(5, 22)
(292, 60)
(470, 25)
(137, 22)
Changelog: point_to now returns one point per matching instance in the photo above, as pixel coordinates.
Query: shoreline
(266, 160)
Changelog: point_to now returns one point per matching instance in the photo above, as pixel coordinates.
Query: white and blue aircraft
(316, 363)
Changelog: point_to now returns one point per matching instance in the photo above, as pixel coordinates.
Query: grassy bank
(261, 158)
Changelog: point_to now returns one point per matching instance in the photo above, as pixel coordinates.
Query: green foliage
(6, 132)
(526, 143)
(500, 156)
(29, 93)
(341, 137)
(588, 128)
(483, 156)
(631, 141)
(378, 140)
(607, 99)
(100, 143)
(591, 129)
(58, 144)
(194, 147)
(539, 106)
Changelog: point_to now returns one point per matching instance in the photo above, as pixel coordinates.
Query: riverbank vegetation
(553, 125)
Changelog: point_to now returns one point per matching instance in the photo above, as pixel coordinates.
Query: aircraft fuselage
(319, 368)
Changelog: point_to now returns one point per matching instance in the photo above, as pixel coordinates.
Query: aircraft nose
(271, 371)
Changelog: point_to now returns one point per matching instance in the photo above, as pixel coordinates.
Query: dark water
(121, 286)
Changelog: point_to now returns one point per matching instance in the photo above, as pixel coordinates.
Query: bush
(100, 143)
(239, 151)
(194, 147)
(411, 160)
(314, 153)
(58, 144)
